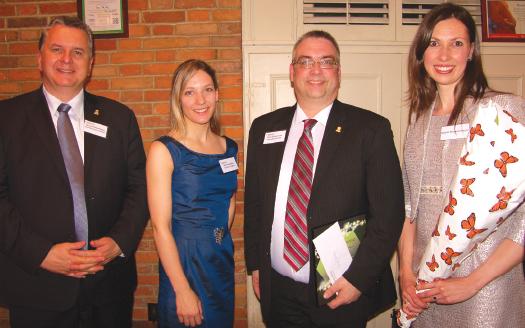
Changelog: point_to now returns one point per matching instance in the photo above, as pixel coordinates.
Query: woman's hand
(189, 308)
(449, 291)
(411, 302)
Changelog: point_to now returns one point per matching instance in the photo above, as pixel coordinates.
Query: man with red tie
(308, 165)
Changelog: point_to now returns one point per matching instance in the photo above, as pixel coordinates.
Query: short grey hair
(69, 21)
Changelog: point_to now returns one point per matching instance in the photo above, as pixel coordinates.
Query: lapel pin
(338, 129)
(96, 112)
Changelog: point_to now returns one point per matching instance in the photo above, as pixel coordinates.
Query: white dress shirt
(76, 115)
(285, 175)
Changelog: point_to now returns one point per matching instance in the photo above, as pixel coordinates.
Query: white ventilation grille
(346, 12)
(413, 11)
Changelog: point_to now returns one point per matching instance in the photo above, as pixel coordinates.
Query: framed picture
(503, 20)
(107, 18)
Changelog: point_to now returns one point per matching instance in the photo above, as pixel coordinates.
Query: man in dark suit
(68, 260)
(355, 170)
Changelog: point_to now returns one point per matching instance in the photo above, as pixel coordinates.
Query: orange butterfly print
(476, 131)
(486, 171)
(451, 203)
(448, 255)
(503, 199)
(512, 135)
(433, 265)
(469, 225)
(450, 234)
(505, 159)
(463, 160)
(465, 189)
(455, 266)
(515, 120)
(492, 143)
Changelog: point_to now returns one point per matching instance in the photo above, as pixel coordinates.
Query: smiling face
(446, 57)
(65, 61)
(315, 87)
(198, 99)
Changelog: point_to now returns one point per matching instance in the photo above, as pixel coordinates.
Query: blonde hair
(182, 75)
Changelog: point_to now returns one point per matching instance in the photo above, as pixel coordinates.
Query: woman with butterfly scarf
(446, 87)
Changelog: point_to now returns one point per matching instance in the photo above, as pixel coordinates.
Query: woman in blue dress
(192, 180)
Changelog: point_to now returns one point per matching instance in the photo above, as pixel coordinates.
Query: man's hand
(255, 283)
(107, 247)
(67, 259)
(345, 291)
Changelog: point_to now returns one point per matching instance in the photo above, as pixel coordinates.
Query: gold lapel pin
(338, 129)
(96, 112)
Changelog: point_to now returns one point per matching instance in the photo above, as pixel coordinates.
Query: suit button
(92, 198)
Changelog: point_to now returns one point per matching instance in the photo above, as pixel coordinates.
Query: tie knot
(63, 108)
(309, 124)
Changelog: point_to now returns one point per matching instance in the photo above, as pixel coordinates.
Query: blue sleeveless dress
(201, 195)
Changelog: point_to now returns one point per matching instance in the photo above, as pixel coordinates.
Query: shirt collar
(321, 117)
(76, 103)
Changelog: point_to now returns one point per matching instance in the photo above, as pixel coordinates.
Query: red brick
(161, 4)
(164, 108)
(126, 44)
(133, 17)
(231, 120)
(229, 3)
(226, 41)
(232, 107)
(138, 30)
(132, 83)
(133, 69)
(165, 55)
(25, 48)
(204, 54)
(104, 70)
(230, 92)
(9, 87)
(8, 62)
(7, 10)
(161, 68)
(156, 95)
(23, 75)
(202, 41)
(98, 84)
(226, 15)
(196, 28)
(101, 58)
(29, 35)
(228, 66)
(164, 17)
(229, 79)
(7, 36)
(165, 43)
(137, 5)
(195, 4)
(233, 132)
(233, 53)
(230, 28)
(163, 82)
(58, 8)
(26, 9)
(105, 44)
(131, 57)
(198, 15)
(156, 121)
(26, 22)
(163, 30)
(132, 96)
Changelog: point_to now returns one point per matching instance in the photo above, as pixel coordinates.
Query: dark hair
(182, 75)
(69, 21)
(317, 34)
(422, 89)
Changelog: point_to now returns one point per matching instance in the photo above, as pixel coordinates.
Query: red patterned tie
(295, 227)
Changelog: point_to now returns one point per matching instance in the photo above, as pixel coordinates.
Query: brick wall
(137, 71)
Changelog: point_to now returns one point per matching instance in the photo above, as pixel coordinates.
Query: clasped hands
(71, 260)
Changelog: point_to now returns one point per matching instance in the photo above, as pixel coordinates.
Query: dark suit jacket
(36, 206)
(357, 172)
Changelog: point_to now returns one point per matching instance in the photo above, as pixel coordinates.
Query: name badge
(274, 137)
(228, 165)
(95, 128)
(459, 131)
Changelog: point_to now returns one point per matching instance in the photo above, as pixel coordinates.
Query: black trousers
(85, 314)
(293, 306)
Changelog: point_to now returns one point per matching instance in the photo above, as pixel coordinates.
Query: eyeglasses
(309, 62)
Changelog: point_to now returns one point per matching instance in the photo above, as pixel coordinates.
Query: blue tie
(75, 170)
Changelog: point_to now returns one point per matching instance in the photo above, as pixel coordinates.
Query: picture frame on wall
(106, 18)
(503, 20)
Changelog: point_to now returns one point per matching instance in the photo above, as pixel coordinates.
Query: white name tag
(459, 131)
(273, 137)
(228, 165)
(95, 128)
